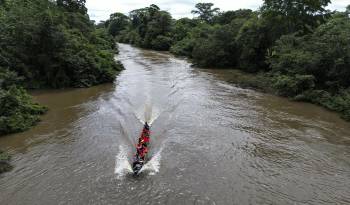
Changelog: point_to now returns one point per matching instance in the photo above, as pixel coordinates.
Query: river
(212, 143)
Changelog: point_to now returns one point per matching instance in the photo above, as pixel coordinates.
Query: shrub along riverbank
(48, 44)
(4, 162)
(298, 48)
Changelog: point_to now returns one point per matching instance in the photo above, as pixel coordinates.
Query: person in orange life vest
(145, 134)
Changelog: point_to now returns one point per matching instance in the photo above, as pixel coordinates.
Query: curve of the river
(212, 143)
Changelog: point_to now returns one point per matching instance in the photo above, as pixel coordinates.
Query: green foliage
(296, 15)
(186, 46)
(218, 48)
(323, 58)
(183, 47)
(17, 110)
(54, 45)
(48, 44)
(161, 43)
(116, 23)
(4, 162)
(149, 28)
(205, 11)
(182, 28)
(253, 42)
(292, 85)
(4, 156)
(130, 36)
(324, 54)
(73, 5)
(226, 17)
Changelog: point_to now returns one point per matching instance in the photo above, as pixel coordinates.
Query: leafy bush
(17, 110)
(161, 43)
(4, 162)
(290, 86)
(149, 28)
(183, 47)
(218, 49)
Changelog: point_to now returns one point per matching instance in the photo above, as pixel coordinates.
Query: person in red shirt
(143, 142)
(146, 138)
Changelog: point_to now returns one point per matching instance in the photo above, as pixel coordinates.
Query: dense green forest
(299, 48)
(47, 44)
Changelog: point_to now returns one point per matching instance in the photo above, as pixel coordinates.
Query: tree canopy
(149, 28)
(116, 23)
(54, 46)
(46, 43)
(297, 15)
(73, 5)
(205, 11)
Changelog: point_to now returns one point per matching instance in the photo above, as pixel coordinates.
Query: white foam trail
(148, 111)
(154, 116)
(153, 165)
(149, 115)
(122, 165)
(139, 117)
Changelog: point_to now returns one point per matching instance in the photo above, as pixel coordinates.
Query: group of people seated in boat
(142, 145)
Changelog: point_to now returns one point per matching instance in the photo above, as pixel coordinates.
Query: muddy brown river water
(212, 143)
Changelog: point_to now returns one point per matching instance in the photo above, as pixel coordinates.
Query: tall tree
(116, 23)
(73, 5)
(205, 11)
(298, 15)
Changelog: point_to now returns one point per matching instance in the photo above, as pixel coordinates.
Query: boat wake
(122, 165)
(153, 165)
(148, 113)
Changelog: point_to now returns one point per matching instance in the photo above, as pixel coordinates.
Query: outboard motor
(146, 126)
(137, 166)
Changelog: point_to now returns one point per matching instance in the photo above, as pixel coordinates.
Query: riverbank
(64, 49)
(268, 83)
